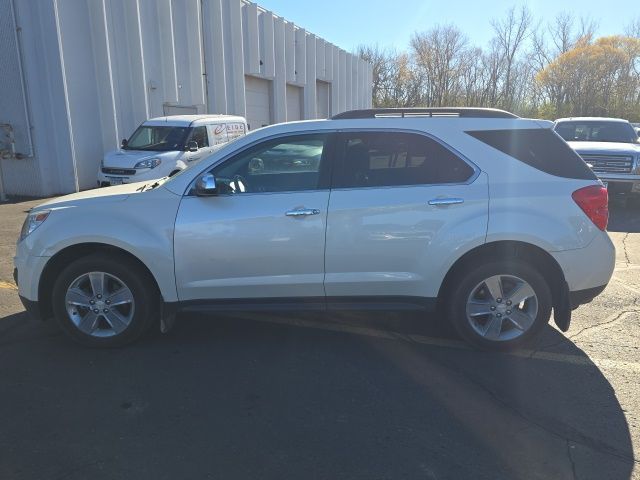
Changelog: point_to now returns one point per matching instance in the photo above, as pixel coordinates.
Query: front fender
(141, 225)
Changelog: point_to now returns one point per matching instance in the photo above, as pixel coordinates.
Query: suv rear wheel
(499, 305)
(103, 301)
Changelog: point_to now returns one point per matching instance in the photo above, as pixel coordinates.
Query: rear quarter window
(539, 148)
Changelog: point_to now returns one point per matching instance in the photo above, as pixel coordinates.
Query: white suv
(487, 217)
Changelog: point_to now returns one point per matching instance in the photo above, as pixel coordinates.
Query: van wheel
(499, 305)
(104, 301)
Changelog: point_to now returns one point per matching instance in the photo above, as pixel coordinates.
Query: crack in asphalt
(606, 322)
(624, 248)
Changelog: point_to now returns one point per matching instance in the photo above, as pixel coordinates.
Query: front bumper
(31, 306)
(142, 175)
(28, 270)
(621, 183)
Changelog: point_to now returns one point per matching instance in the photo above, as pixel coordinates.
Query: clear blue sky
(390, 23)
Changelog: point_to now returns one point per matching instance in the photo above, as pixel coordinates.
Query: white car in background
(491, 219)
(163, 146)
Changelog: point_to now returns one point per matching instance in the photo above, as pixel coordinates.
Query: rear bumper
(590, 267)
(580, 297)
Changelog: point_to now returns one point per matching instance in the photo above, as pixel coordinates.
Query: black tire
(466, 281)
(139, 282)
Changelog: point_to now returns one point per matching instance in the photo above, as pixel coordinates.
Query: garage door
(258, 96)
(322, 92)
(294, 103)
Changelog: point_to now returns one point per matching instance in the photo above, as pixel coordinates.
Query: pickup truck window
(595, 131)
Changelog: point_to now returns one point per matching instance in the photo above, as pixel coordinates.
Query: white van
(163, 146)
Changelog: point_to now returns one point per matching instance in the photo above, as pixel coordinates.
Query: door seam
(324, 256)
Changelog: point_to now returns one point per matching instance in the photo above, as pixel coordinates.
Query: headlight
(33, 221)
(149, 163)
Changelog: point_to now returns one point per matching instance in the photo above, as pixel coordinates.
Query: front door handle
(302, 212)
(439, 202)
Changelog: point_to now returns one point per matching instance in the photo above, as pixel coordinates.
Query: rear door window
(539, 148)
(380, 159)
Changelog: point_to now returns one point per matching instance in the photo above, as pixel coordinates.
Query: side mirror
(206, 185)
(192, 146)
(124, 143)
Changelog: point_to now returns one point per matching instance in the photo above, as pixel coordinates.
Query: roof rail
(461, 112)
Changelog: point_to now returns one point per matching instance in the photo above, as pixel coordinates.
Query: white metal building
(77, 76)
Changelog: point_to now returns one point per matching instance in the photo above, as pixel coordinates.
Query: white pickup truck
(609, 146)
(163, 146)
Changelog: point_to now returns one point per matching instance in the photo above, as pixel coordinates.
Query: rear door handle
(439, 202)
(302, 212)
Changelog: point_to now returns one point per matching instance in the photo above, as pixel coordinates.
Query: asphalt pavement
(327, 396)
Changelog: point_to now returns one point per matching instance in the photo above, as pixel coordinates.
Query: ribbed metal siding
(96, 69)
(12, 100)
(21, 177)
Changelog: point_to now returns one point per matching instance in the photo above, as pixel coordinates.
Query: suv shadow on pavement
(236, 397)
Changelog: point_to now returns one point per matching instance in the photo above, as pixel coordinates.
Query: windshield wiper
(151, 186)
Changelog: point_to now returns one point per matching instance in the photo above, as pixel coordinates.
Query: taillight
(594, 201)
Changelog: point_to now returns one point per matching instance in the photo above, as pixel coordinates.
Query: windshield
(596, 132)
(157, 138)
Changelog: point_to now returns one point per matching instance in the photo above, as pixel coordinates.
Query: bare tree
(528, 67)
(439, 56)
(395, 82)
(510, 35)
(633, 28)
(379, 60)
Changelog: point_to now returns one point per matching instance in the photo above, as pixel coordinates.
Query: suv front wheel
(499, 305)
(103, 300)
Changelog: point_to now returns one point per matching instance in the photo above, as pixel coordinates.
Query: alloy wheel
(100, 304)
(502, 307)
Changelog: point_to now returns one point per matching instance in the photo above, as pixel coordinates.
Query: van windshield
(158, 138)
